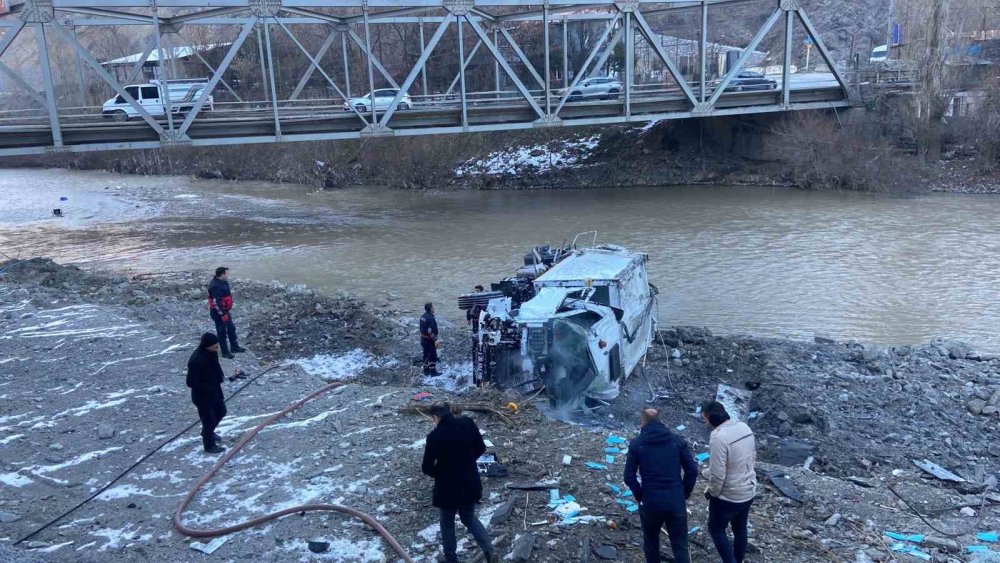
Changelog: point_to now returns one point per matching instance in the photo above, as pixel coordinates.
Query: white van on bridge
(184, 94)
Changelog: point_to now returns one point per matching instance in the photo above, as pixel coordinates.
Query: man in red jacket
(220, 305)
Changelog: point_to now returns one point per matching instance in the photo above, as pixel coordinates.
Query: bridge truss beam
(535, 103)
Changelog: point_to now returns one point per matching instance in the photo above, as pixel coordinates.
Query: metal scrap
(784, 485)
(938, 471)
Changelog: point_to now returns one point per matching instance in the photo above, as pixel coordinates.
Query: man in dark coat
(220, 307)
(428, 339)
(205, 377)
(659, 456)
(450, 458)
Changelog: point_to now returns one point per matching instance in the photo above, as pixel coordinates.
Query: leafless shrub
(819, 153)
(987, 128)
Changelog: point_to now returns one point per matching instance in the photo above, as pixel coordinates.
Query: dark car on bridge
(749, 80)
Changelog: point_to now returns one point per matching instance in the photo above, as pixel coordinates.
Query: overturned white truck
(577, 321)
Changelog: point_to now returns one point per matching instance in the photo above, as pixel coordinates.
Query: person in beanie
(428, 339)
(205, 377)
(220, 308)
(450, 458)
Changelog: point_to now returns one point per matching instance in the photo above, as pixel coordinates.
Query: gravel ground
(91, 379)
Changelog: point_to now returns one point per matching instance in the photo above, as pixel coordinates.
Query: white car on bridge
(383, 99)
(598, 87)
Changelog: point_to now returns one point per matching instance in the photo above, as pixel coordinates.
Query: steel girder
(622, 19)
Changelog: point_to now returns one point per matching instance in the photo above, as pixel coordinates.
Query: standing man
(220, 305)
(660, 456)
(450, 458)
(472, 314)
(204, 377)
(732, 482)
(428, 339)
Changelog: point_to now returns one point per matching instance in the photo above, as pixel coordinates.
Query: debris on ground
(84, 349)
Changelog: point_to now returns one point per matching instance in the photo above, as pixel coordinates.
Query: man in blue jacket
(660, 456)
(220, 306)
(429, 339)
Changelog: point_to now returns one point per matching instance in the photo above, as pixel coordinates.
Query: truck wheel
(119, 116)
(612, 95)
(575, 97)
(403, 106)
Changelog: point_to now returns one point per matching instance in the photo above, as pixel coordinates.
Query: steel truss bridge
(529, 101)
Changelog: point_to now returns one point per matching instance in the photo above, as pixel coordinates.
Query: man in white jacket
(732, 482)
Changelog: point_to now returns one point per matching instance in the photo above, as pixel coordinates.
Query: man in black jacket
(450, 458)
(205, 377)
(660, 455)
(220, 306)
(428, 339)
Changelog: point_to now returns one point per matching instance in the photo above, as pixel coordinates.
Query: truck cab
(579, 329)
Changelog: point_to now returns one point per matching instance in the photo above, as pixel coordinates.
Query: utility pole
(888, 32)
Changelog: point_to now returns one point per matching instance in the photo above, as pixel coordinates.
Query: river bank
(92, 378)
(811, 152)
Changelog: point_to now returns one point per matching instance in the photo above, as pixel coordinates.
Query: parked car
(383, 99)
(749, 80)
(600, 87)
(879, 54)
(183, 94)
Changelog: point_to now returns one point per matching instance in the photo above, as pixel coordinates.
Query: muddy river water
(763, 261)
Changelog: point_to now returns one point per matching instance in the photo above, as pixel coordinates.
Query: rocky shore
(91, 379)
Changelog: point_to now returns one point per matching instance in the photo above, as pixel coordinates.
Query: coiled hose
(210, 533)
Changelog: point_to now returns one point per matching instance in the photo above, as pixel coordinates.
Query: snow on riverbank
(540, 158)
(337, 367)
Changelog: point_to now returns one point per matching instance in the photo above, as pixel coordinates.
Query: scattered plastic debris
(487, 443)
(614, 440)
(702, 457)
(911, 550)
(990, 537)
(680, 428)
(597, 466)
(609, 459)
(568, 509)
(210, 547)
(694, 530)
(977, 548)
(567, 459)
(424, 396)
(938, 471)
(915, 538)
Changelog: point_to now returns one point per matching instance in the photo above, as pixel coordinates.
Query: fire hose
(209, 533)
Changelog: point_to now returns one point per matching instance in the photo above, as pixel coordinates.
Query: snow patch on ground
(14, 480)
(337, 367)
(340, 550)
(539, 158)
(453, 378)
(124, 491)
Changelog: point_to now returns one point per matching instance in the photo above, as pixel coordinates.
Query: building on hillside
(181, 61)
(686, 54)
